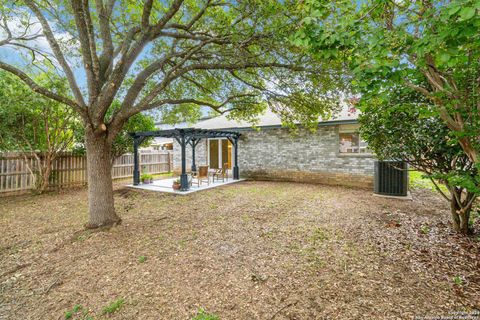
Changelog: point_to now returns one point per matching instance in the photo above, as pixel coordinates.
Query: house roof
(183, 124)
(268, 119)
(272, 120)
(167, 126)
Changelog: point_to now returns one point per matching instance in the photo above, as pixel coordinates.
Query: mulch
(252, 250)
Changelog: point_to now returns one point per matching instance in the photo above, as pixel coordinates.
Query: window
(350, 141)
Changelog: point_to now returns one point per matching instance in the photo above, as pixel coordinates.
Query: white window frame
(352, 129)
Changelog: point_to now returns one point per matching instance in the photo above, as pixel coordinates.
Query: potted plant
(176, 184)
(146, 178)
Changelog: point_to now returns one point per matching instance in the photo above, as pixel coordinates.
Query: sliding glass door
(214, 154)
(220, 153)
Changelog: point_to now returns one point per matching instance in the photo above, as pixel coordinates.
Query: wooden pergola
(187, 136)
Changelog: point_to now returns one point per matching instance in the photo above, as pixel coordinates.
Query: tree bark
(464, 215)
(461, 211)
(100, 187)
(454, 211)
(45, 173)
(42, 171)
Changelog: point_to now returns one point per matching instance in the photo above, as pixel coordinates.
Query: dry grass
(252, 250)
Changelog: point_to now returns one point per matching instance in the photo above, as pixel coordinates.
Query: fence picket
(69, 169)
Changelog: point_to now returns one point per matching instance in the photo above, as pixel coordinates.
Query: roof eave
(279, 126)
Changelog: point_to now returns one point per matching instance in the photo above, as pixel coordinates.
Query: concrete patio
(165, 185)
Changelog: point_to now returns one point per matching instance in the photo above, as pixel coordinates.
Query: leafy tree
(123, 142)
(405, 129)
(432, 47)
(222, 54)
(35, 126)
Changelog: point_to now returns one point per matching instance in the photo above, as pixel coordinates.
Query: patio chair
(201, 176)
(221, 173)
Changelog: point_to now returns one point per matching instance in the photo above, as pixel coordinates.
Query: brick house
(334, 154)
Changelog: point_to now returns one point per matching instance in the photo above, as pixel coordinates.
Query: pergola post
(193, 142)
(236, 174)
(183, 176)
(136, 169)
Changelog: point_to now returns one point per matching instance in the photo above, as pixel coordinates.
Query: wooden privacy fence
(16, 171)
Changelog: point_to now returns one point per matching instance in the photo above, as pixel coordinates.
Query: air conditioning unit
(391, 178)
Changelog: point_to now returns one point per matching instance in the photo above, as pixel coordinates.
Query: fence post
(68, 169)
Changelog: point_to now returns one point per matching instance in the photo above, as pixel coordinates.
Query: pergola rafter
(187, 136)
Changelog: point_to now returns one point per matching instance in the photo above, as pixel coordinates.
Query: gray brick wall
(306, 151)
(200, 155)
(281, 155)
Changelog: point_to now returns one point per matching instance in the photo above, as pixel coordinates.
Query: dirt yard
(253, 250)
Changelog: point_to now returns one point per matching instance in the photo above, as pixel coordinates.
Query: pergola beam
(189, 132)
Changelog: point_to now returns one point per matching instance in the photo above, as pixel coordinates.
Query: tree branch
(104, 16)
(140, 80)
(216, 107)
(87, 43)
(42, 90)
(147, 10)
(167, 17)
(58, 53)
(197, 17)
(452, 124)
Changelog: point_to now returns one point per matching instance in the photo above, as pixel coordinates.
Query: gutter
(279, 126)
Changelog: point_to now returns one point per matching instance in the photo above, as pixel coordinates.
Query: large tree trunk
(100, 187)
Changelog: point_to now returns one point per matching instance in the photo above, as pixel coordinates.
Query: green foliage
(458, 280)
(78, 312)
(146, 176)
(31, 122)
(35, 126)
(77, 308)
(432, 47)
(403, 126)
(123, 142)
(142, 259)
(203, 315)
(113, 306)
(425, 229)
(319, 236)
(242, 33)
(417, 180)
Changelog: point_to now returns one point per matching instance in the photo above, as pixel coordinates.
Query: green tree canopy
(34, 125)
(404, 128)
(432, 47)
